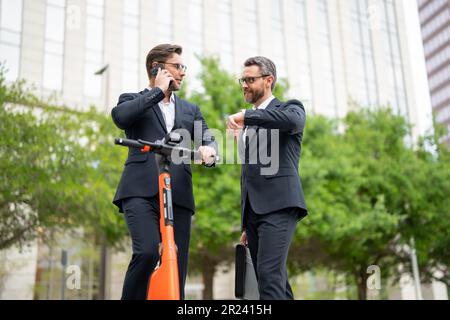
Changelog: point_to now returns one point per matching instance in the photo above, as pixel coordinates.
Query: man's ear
(271, 81)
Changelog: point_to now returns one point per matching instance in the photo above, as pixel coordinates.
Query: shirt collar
(265, 103)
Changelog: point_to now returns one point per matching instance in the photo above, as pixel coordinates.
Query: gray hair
(266, 65)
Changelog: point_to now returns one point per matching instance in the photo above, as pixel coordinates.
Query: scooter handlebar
(194, 155)
(128, 143)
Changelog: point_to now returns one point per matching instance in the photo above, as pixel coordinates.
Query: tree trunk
(208, 271)
(38, 273)
(362, 291)
(360, 280)
(104, 268)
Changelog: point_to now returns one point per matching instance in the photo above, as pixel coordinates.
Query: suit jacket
(141, 118)
(283, 189)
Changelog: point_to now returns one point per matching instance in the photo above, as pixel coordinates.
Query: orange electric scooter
(164, 281)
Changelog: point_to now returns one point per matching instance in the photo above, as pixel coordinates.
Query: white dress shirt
(168, 111)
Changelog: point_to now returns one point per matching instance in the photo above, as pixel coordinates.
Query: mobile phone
(154, 70)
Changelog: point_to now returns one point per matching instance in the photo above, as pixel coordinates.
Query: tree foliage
(58, 170)
(369, 193)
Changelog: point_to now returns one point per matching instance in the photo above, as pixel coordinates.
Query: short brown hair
(161, 53)
(266, 66)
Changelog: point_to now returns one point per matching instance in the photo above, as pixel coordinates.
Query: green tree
(429, 209)
(58, 169)
(367, 196)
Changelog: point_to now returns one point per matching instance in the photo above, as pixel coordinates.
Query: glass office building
(435, 25)
(336, 54)
(333, 52)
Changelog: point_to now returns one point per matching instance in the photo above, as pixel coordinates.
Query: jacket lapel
(158, 113)
(178, 113)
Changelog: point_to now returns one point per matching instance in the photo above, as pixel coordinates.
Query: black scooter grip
(128, 143)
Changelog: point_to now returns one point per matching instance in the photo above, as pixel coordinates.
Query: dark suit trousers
(142, 217)
(269, 237)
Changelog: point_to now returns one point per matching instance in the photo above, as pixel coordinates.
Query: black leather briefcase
(246, 285)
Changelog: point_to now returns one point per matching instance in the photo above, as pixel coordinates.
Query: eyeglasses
(250, 80)
(178, 66)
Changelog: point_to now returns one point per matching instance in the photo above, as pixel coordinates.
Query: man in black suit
(271, 195)
(150, 115)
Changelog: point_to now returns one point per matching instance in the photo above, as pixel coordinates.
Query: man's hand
(236, 121)
(244, 239)
(163, 79)
(208, 154)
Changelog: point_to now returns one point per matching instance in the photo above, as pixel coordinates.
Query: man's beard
(255, 96)
(173, 87)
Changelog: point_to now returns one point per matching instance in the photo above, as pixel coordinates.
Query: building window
(304, 76)
(164, 29)
(437, 22)
(431, 8)
(278, 39)
(252, 28)
(326, 67)
(394, 67)
(94, 48)
(10, 36)
(363, 67)
(439, 78)
(443, 114)
(437, 42)
(440, 98)
(195, 42)
(54, 44)
(225, 34)
(130, 49)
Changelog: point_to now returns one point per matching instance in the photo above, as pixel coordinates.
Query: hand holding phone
(163, 78)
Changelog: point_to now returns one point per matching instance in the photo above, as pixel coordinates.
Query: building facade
(332, 52)
(336, 54)
(435, 26)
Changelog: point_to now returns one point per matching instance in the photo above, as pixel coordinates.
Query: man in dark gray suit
(271, 193)
(150, 115)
